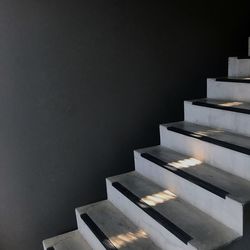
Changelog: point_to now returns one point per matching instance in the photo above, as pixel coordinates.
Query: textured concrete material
(212, 117)
(228, 90)
(238, 67)
(69, 241)
(207, 233)
(226, 159)
(229, 211)
(238, 188)
(119, 229)
(162, 237)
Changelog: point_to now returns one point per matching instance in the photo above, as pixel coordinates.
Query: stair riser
(88, 234)
(226, 210)
(233, 121)
(163, 238)
(226, 159)
(238, 67)
(228, 90)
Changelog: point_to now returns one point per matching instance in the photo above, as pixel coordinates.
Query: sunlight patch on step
(158, 198)
(208, 132)
(125, 239)
(186, 163)
(230, 104)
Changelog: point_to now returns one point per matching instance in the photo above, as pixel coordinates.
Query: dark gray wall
(83, 83)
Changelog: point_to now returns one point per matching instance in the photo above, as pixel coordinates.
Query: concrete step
(105, 227)
(198, 183)
(222, 149)
(223, 114)
(171, 221)
(238, 67)
(229, 89)
(68, 241)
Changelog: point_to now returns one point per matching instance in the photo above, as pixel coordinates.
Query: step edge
(231, 79)
(189, 177)
(218, 107)
(240, 149)
(162, 220)
(138, 152)
(97, 232)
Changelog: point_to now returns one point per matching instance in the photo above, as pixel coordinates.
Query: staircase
(190, 192)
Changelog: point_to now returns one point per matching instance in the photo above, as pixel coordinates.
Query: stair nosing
(243, 57)
(163, 221)
(211, 140)
(99, 234)
(225, 79)
(216, 106)
(187, 176)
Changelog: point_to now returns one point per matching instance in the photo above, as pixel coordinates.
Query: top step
(239, 66)
(242, 57)
(229, 88)
(233, 79)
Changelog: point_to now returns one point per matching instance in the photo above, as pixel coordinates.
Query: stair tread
(68, 241)
(237, 188)
(243, 57)
(206, 232)
(120, 231)
(235, 106)
(213, 135)
(233, 79)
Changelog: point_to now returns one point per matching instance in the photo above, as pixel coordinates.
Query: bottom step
(105, 227)
(68, 241)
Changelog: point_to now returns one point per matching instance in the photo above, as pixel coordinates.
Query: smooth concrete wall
(83, 83)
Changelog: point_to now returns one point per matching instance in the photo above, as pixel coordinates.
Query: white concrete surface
(120, 230)
(223, 119)
(206, 232)
(163, 238)
(226, 159)
(238, 67)
(68, 241)
(228, 90)
(228, 211)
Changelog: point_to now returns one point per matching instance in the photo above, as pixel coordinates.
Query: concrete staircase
(190, 192)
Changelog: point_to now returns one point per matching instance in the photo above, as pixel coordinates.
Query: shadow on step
(244, 242)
